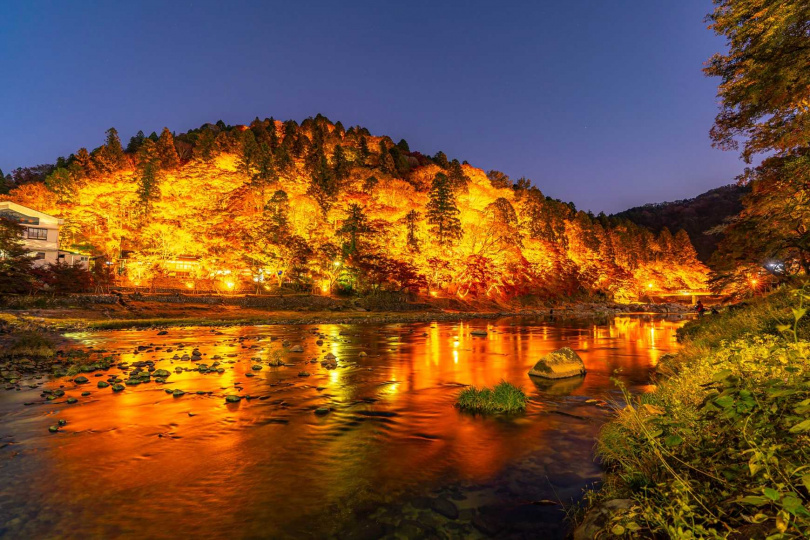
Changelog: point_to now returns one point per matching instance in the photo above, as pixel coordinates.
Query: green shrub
(505, 397)
(722, 447)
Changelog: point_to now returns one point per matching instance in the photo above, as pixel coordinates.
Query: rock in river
(81, 379)
(559, 364)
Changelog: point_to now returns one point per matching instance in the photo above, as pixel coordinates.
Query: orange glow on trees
(315, 207)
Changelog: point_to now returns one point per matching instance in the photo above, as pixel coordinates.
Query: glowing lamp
(337, 263)
(190, 285)
(649, 285)
(229, 284)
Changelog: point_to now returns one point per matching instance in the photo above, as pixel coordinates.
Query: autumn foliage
(317, 207)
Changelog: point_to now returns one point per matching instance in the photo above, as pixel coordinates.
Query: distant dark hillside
(695, 216)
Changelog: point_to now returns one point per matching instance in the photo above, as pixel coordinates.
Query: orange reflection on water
(279, 468)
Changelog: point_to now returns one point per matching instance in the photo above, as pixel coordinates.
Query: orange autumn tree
(316, 206)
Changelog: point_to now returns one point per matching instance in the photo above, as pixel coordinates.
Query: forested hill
(696, 216)
(318, 206)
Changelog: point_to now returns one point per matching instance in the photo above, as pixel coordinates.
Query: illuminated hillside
(314, 206)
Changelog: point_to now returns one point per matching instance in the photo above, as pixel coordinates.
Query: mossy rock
(81, 379)
(178, 393)
(232, 399)
(559, 364)
(103, 384)
(118, 387)
(72, 400)
(160, 373)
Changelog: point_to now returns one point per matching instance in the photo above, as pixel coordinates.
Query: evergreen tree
(403, 146)
(135, 142)
(273, 141)
(456, 176)
(442, 212)
(85, 162)
(364, 151)
(323, 185)
(276, 212)
(110, 157)
(341, 164)
(369, 184)
(148, 176)
(166, 151)
(353, 226)
(441, 159)
(265, 173)
(411, 222)
(205, 149)
(15, 261)
(283, 160)
(249, 155)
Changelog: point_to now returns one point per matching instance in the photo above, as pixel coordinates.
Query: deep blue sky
(599, 102)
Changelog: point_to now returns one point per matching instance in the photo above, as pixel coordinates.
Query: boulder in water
(559, 364)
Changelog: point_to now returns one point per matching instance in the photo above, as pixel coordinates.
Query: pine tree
(166, 151)
(323, 186)
(135, 142)
(340, 164)
(148, 176)
(265, 173)
(353, 226)
(441, 159)
(276, 212)
(15, 260)
(442, 212)
(249, 155)
(411, 222)
(205, 149)
(364, 151)
(85, 162)
(283, 160)
(369, 184)
(456, 176)
(110, 157)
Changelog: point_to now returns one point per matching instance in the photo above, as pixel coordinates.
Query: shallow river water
(392, 457)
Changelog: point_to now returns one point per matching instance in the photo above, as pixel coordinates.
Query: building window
(40, 255)
(37, 234)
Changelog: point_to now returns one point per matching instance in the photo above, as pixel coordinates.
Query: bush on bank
(722, 447)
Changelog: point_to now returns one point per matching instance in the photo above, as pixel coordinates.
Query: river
(392, 456)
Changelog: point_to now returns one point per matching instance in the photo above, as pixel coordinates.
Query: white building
(41, 234)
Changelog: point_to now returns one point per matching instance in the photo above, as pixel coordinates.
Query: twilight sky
(602, 103)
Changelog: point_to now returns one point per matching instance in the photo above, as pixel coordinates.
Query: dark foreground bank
(721, 449)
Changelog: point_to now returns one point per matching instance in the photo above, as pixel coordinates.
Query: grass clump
(30, 343)
(722, 447)
(505, 397)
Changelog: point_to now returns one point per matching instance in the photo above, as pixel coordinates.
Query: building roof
(18, 212)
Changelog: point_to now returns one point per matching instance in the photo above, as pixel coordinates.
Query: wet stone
(444, 507)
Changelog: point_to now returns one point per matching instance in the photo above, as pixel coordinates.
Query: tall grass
(722, 447)
(505, 397)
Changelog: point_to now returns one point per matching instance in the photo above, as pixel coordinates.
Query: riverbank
(720, 448)
(138, 311)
